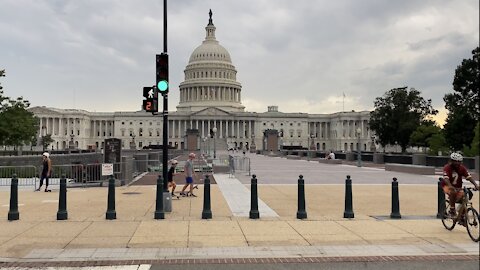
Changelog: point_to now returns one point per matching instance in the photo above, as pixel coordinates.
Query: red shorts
(458, 193)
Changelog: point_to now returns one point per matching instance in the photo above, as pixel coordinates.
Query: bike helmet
(456, 157)
(46, 154)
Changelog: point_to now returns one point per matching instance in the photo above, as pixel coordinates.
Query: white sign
(107, 169)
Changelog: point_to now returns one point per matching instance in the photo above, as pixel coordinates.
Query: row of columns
(319, 129)
(57, 126)
(225, 128)
(348, 129)
(191, 94)
(98, 127)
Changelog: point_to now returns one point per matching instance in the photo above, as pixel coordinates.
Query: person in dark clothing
(170, 174)
(46, 171)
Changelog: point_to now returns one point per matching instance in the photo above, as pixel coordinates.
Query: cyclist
(453, 172)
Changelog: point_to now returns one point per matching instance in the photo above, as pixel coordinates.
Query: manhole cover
(131, 193)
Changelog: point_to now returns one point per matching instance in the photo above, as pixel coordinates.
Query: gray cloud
(99, 54)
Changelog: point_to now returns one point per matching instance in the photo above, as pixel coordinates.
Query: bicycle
(466, 215)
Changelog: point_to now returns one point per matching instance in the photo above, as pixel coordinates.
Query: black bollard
(395, 200)
(254, 214)
(111, 214)
(441, 199)
(13, 212)
(301, 213)
(348, 199)
(159, 213)
(62, 213)
(207, 209)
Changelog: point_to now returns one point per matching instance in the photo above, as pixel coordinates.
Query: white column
(173, 128)
(221, 130)
(238, 128)
(208, 130)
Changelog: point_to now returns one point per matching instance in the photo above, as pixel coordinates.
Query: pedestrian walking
(170, 174)
(189, 173)
(46, 171)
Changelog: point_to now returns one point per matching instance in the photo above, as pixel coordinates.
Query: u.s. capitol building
(210, 97)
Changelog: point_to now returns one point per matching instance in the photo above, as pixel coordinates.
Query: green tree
(423, 133)
(46, 141)
(398, 114)
(437, 143)
(17, 125)
(473, 150)
(463, 104)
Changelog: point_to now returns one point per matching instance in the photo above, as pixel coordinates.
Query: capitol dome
(210, 77)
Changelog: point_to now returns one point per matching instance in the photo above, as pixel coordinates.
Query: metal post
(254, 214)
(207, 210)
(165, 110)
(359, 152)
(348, 213)
(301, 213)
(62, 213)
(13, 211)
(441, 199)
(159, 213)
(111, 214)
(395, 200)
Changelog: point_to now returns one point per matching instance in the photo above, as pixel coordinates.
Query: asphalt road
(403, 265)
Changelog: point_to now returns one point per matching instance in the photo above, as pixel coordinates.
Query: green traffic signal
(162, 86)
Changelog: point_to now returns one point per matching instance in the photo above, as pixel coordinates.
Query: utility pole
(165, 107)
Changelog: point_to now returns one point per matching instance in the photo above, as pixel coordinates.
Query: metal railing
(239, 164)
(27, 175)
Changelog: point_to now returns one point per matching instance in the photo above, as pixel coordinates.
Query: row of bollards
(62, 213)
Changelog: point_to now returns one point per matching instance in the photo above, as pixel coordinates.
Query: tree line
(401, 117)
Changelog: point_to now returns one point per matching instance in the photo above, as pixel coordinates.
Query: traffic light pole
(165, 108)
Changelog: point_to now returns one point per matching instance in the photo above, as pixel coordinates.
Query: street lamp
(359, 153)
(214, 129)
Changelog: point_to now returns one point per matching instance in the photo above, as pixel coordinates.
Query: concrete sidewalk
(87, 232)
(135, 235)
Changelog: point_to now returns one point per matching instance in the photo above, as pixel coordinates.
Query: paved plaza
(182, 235)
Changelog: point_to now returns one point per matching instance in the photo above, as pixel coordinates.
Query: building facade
(210, 99)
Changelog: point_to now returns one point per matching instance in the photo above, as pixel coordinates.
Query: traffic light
(151, 102)
(162, 73)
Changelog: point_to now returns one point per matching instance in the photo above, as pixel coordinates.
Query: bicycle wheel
(472, 223)
(447, 220)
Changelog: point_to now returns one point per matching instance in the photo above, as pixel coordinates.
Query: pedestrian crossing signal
(150, 104)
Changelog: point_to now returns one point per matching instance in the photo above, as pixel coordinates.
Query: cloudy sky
(300, 55)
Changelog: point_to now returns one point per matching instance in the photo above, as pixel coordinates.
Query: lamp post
(214, 129)
(359, 153)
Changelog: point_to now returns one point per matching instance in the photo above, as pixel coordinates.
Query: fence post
(301, 213)
(348, 213)
(254, 214)
(111, 214)
(159, 213)
(207, 210)
(62, 213)
(13, 212)
(440, 199)
(395, 200)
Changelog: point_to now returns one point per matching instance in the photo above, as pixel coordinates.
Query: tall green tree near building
(398, 114)
(17, 125)
(463, 104)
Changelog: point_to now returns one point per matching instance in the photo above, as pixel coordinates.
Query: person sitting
(451, 184)
(330, 155)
